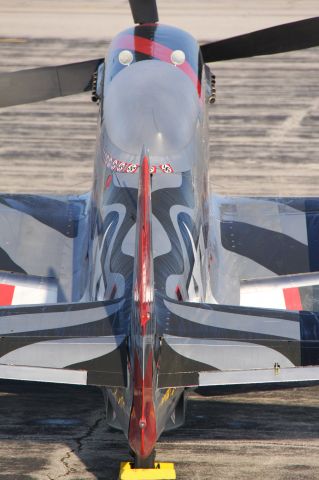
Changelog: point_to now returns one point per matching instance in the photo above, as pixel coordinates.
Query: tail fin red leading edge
(142, 427)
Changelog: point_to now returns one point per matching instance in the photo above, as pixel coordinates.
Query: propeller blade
(28, 86)
(144, 11)
(282, 38)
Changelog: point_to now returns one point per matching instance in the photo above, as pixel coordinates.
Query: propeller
(28, 86)
(282, 38)
(38, 84)
(144, 11)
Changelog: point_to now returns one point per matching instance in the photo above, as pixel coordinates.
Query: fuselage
(150, 172)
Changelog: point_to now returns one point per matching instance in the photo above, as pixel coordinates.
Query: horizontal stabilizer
(34, 85)
(201, 342)
(275, 375)
(81, 343)
(47, 375)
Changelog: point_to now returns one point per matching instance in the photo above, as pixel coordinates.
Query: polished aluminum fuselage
(155, 106)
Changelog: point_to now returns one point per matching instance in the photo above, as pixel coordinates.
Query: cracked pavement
(54, 432)
(264, 133)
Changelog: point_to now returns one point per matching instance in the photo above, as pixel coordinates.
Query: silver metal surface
(299, 374)
(49, 147)
(43, 374)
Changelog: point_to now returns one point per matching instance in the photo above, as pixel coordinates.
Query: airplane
(147, 286)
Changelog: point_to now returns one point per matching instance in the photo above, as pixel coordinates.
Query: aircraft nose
(151, 103)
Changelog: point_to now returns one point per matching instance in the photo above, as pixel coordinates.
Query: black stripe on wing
(275, 251)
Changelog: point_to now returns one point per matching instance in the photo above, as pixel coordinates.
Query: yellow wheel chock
(162, 471)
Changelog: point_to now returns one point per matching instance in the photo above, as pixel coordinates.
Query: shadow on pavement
(36, 418)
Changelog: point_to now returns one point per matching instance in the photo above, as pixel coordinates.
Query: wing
(42, 241)
(206, 344)
(264, 252)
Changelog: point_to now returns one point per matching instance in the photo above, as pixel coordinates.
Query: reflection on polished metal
(146, 298)
(178, 57)
(126, 57)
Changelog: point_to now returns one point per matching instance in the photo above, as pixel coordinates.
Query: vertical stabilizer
(142, 427)
(143, 264)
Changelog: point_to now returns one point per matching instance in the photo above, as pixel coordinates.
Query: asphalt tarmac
(59, 432)
(264, 139)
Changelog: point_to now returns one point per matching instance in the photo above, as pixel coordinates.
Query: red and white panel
(278, 294)
(26, 290)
